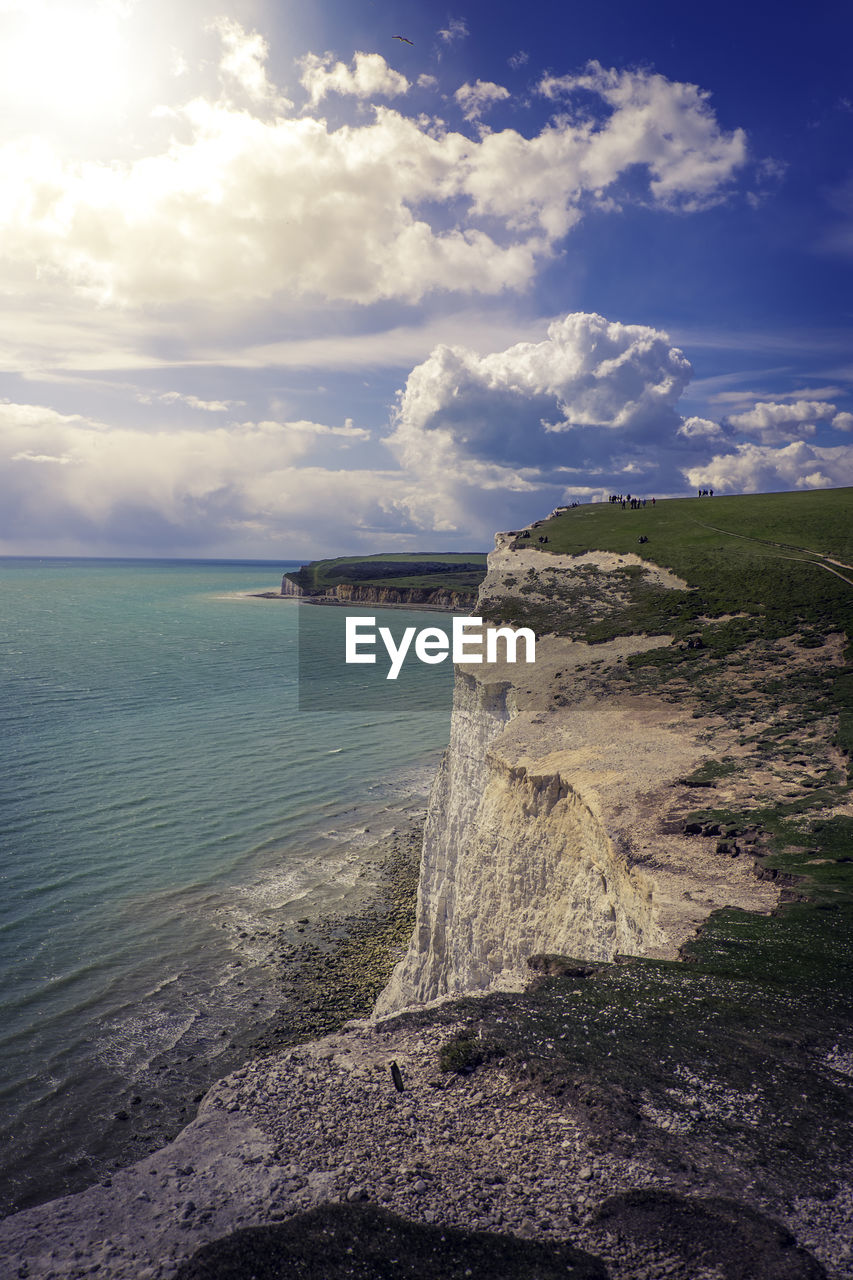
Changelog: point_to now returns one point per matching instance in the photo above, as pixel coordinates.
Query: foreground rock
(339, 1241)
(323, 1123)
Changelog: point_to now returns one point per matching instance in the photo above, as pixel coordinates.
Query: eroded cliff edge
(557, 819)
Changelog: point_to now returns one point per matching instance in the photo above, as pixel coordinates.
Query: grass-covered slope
(783, 559)
(758, 568)
(684, 533)
(458, 571)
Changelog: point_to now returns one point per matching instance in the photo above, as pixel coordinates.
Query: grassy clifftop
(783, 561)
(440, 571)
(758, 568)
(780, 555)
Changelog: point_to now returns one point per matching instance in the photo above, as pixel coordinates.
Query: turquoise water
(164, 810)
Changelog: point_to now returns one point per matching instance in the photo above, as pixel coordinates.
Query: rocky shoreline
(420, 606)
(337, 968)
(323, 1123)
(322, 971)
(472, 1142)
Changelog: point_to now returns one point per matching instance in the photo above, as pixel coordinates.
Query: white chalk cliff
(555, 822)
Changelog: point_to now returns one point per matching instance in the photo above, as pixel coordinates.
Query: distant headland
(446, 581)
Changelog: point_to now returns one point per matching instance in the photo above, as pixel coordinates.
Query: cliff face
(357, 593)
(555, 822)
(354, 593)
(515, 861)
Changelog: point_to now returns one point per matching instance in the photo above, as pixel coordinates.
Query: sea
(167, 810)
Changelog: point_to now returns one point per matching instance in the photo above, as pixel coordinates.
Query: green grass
(818, 520)
(764, 564)
(709, 773)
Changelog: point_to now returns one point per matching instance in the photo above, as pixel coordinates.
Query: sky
(280, 284)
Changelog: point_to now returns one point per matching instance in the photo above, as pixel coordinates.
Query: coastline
(319, 973)
(176, 973)
(331, 970)
(353, 604)
(322, 1123)
(587, 1107)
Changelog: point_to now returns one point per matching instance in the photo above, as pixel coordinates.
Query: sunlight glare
(67, 58)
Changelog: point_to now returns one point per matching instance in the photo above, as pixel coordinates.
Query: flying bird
(405, 39)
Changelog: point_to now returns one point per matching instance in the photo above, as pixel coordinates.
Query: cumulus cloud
(843, 422)
(476, 98)
(701, 429)
(369, 76)
(589, 371)
(756, 468)
(249, 207)
(665, 125)
(776, 423)
(593, 409)
(243, 62)
(576, 412)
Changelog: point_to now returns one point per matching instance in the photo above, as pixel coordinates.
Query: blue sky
(279, 284)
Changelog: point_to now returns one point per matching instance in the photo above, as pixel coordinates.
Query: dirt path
(815, 558)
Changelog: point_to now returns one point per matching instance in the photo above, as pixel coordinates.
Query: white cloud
(368, 77)
(456, 29)
(25, 456)
(843, 422)
(701, 429)
(178, 64)
(755, 468)
(177, 397)
(243, 62)
(308, 428)
(519, 59)
(743, 397)
(476, 98)
(247, 208)
(591, 371)
(776, 423)
(491, 438)
(121, 486)
(665, 125)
